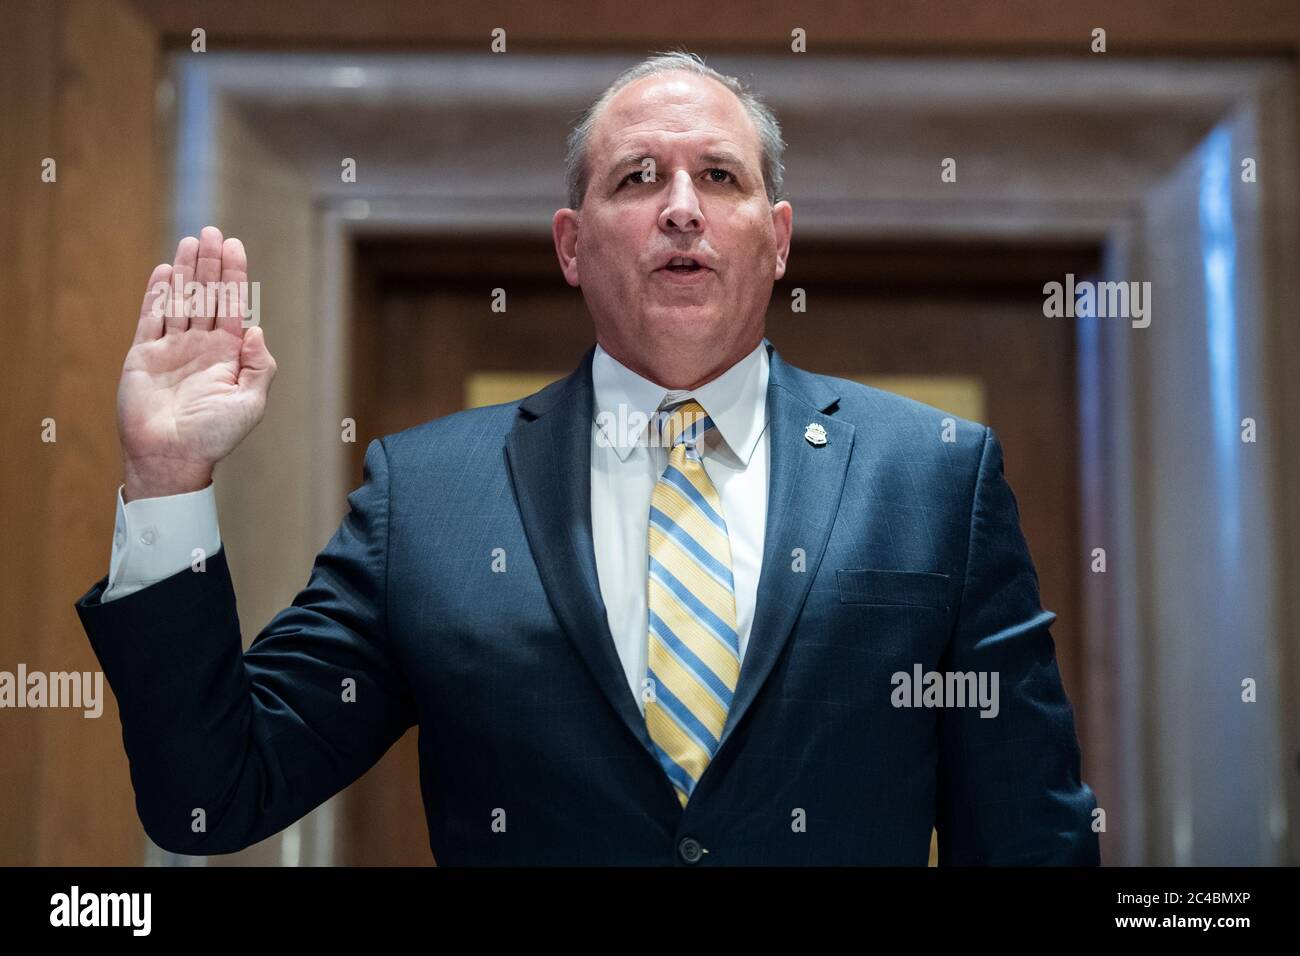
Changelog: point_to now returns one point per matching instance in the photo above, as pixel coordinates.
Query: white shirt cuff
(154, 538)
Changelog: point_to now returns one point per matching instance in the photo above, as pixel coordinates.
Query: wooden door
(961, 327)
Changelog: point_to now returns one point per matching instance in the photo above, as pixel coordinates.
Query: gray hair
(577, 171)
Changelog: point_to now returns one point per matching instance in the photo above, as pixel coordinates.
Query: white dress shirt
(624, 474)
(155, 538)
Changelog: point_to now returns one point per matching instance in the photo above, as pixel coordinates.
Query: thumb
(256, 366)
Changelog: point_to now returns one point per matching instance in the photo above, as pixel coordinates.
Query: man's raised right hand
(194, 383)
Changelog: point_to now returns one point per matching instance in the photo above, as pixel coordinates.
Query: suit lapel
(549, 454)
(805, 483)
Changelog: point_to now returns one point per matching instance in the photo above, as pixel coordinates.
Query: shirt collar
(736, 401)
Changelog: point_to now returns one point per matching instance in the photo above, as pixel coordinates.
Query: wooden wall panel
(27, 82)
(79, 87)
(894, 25)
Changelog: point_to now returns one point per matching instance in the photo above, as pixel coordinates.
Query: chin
(697, 318)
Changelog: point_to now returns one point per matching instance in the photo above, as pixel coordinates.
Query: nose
(682, 209)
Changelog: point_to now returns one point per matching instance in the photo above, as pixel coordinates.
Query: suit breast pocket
(897, 588)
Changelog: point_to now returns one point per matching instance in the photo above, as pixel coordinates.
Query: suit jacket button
(689, 849)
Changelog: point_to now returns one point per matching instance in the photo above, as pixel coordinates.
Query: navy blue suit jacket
(912, 555)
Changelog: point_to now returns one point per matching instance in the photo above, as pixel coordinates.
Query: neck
(677, 375)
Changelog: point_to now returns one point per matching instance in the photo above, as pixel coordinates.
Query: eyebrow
(724, 157)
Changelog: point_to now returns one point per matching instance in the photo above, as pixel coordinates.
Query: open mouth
(683, 264)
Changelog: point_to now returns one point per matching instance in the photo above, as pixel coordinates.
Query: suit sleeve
(1009, 786)
(226, 746)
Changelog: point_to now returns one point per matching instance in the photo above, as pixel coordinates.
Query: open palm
(194, 382)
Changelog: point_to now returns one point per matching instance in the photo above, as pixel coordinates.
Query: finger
(234, 284)
(187, 253)
(157, 295)
(208, 269)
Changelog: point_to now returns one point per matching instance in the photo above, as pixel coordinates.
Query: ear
(782, 226)
(564, 230)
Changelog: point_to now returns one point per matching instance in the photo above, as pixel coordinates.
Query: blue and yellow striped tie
(694, 658)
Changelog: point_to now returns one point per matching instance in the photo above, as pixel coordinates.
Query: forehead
(672, 109)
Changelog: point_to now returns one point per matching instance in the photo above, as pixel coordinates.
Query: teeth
(682, 261)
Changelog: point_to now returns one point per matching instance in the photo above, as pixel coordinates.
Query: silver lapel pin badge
(815, 434)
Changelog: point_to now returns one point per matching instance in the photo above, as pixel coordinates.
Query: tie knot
(685, 423)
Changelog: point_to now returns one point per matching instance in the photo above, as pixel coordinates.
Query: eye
(635, 177)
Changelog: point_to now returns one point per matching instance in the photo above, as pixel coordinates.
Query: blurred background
(945, 162)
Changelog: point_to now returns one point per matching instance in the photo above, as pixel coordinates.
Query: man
(667, 610)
